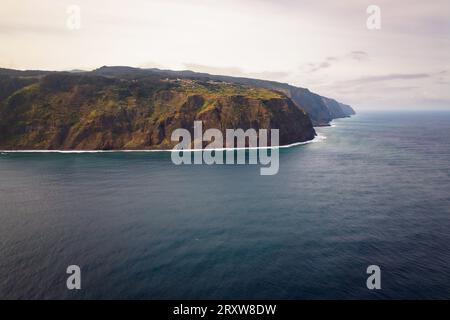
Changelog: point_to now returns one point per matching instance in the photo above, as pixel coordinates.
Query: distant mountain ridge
(129, 108)
(321, 110)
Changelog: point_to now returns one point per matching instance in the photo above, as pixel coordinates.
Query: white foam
(330, 125)
(318, 138)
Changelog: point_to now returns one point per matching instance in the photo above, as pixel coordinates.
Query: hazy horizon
(325, 47)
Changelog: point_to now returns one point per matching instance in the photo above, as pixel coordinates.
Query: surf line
(212, 153)
(318, 138)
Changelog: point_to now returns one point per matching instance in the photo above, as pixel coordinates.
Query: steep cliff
(85, 111)
(335, 108)
(9, 85)
(320, 112)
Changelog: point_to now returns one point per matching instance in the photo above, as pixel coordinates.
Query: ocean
(375, 190)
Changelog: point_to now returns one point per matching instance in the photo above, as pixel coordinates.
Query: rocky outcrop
(348, 111)
(131, 108)
(319, 109)
(336, 111)
(93, 112)
(9, 85)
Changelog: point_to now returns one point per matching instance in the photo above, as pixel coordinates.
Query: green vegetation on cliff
(91, 112)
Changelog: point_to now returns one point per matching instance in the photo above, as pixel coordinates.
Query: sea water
(376, 191)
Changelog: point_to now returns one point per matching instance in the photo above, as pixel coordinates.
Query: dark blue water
(376, 191)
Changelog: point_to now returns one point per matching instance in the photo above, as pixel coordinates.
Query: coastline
(317, 138)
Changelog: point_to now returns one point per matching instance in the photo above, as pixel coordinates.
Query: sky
(325, 46)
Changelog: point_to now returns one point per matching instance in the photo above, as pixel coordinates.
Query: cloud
(358, 55)
(399, 90)
(237, 72)
(320, 66)
(370, 88)
(439, 76)
(358, 89)
(36, 29)
(389, 77)
(322, 45)
(442, 103)
(332, 60)
(151, 65)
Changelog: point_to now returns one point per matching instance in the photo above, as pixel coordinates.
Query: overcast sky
(322, 45)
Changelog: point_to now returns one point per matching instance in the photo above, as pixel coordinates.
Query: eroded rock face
(84, 112)
(335, 108)
(316, 106)
(313, 104)
(245, 113)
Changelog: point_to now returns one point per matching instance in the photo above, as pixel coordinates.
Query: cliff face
(91, 112)
(335, 108)
(320, 109)
(313, 104)
(347, 109)
(9, 85)
(130, 108)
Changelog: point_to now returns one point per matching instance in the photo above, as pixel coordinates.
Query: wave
(318, 138)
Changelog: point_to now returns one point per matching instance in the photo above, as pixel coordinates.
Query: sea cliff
(114, 108)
